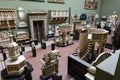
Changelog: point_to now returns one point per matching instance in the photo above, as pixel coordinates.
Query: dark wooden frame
(56, 1)
(91, 5)
(35, 0)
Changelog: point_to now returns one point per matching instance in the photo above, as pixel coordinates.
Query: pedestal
(76, 35)
(19, 76)
(33, 51)
(58, 44)
(53, 46)
(15, 67)
(77, 68)
(43, 45)
(53, 76)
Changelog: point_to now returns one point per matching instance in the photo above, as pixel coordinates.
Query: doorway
(38, 30)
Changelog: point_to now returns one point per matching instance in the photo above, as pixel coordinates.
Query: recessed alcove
(38, 25)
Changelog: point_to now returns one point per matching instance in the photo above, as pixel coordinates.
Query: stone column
(83, 41)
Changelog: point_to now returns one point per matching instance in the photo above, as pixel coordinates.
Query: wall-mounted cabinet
(7, 18)
(58, 16)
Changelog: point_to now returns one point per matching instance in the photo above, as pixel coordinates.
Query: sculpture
(112, 19)
(13, 49)
(50, 67)
(21, 16)
(21, 13)
(101, 67)
(64, 35)
(21, 36)
(51, 55)
(4, 38)
(110, 59)
(88, 38)
(7, 18)
(75, 16)
(16, 62)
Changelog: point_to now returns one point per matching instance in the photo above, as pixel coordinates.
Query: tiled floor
(37, 61)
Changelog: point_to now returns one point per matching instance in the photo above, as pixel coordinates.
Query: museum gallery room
(59, 39)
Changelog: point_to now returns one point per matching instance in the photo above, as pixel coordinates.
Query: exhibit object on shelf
(7, 18)
(51, 65)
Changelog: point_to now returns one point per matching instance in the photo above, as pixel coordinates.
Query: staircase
(89, 51)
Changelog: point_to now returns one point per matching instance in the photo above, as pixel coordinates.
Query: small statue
(33, 49)
(75, 16)
(112, 19)
(50, 67)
